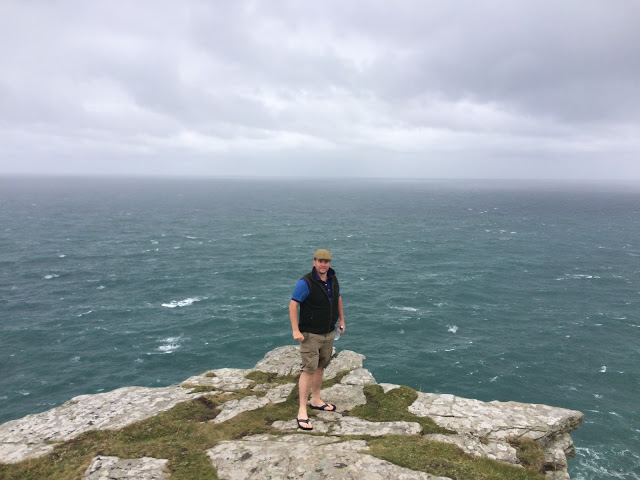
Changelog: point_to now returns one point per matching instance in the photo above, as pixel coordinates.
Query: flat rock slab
(359, 376)
(496, 420)
(358, 426)
(235, 407)
(304, 457)
(500, 451)
(336, 424)
(344, 397)
(222, 379)
(114, 468)
(35, 435)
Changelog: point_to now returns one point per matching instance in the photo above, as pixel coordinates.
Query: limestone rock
(344, 360)
(358, 426)
(482, 428)
(235, 407)
(222, 379)
(304, 457)
(282, 360)
(501, 451)
(113, 468)
(359, 376)
(498, 421)
(344, 397)
(35, 435)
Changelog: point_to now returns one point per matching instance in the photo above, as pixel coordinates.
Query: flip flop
(303, 420)
(325, 407)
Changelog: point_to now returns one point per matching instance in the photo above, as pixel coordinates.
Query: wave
(170, 344)
(405, 309)
(452, 328)
(576, 276)
(183, 303)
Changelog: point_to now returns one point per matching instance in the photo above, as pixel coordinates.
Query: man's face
(322, 266)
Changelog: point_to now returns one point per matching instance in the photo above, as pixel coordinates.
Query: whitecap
(191, 238)
(101, 287)
(494, 378)
(183, 303)
(603, 369)
(75, 359)
(62, 256)
(406, 309)
(84, 313)
(24, 393)
(452, 328)
(170, 344)
(50, 276)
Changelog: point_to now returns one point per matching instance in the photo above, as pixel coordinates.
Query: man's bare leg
(304, 387)
(316, 387)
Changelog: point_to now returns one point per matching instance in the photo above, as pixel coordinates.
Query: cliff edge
(236, 424)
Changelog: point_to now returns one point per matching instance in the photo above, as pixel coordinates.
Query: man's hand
(298, 336)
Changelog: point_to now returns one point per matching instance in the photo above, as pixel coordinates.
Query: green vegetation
(184, 433)
(445, 460)
(259, 377)
(393, 407)
(529, 452)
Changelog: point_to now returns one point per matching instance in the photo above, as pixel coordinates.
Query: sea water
(523, 291)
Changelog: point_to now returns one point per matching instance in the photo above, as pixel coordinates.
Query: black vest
(317, 314)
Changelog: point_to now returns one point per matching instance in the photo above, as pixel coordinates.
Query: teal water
(491, 290)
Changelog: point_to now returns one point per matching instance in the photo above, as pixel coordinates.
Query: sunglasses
(322, 260)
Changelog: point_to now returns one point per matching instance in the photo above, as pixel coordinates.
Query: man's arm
(341, 314)
(293, 316)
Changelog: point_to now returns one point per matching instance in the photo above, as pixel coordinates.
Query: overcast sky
(433, 89)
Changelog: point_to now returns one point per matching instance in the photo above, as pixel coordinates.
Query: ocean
(495, 290)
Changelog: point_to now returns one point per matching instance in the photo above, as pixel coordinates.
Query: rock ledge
(482, 428)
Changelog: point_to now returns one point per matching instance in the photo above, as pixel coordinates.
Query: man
(317, 295)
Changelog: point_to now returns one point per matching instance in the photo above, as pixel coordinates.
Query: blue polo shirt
(301, 291)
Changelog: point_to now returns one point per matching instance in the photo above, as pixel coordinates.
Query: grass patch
(260, 377)
(182, 435)
(198, 388)
(335, 380)
(444, 460)
(529, 452)
(393, 407)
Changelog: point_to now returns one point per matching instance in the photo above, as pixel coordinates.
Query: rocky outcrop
(306, 457)
(484, 429)
(36, 435)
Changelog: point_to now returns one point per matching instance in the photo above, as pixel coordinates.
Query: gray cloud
(435, 89)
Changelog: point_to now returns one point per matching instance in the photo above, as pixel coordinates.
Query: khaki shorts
(316, 350)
